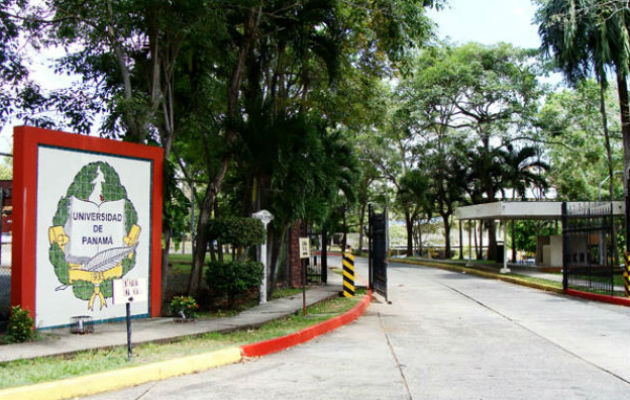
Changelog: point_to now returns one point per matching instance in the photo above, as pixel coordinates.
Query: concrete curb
(619, 301)
(118, 379)
(278, 344)
(127, 377)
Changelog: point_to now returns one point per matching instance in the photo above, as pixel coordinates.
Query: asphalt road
(445, 336)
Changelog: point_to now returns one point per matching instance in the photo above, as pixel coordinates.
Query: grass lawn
(24, 372)
(539, 281)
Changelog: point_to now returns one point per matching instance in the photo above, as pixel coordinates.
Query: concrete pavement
(446, 335)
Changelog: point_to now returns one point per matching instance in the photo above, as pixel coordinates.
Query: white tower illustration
(96, 196)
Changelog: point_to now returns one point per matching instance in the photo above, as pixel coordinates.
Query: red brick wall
(295, 264)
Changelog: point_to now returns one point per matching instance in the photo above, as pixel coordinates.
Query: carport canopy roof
(502, 210)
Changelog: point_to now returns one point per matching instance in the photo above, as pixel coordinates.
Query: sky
(488, 22)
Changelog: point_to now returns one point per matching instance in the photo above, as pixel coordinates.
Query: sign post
(128, 291)
(305, 252)
(265, 217)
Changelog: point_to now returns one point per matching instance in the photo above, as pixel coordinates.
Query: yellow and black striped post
(348, 274)
(626, 274)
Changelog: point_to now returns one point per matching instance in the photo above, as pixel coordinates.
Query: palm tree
(521, 170)
(590, 37)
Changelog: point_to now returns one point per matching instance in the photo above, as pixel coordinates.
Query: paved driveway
(445, 336)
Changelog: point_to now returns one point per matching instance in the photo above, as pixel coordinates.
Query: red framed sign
(86, 211)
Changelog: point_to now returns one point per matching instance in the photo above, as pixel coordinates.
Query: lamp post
(265, 217)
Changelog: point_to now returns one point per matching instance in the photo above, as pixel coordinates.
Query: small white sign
(305, 247)
(128, 290)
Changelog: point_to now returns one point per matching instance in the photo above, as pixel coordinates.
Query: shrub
(239, 232)
(184, 306)
(20, 326)
(234, 278)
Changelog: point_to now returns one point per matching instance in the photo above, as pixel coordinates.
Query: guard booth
(378, 251)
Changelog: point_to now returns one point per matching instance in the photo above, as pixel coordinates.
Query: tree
(587, 38)
(414, 197)
(522, 170)
(189, 76)
(20, 97)
(489, 93)
(448, 180)
(570, 121)
(130, 52)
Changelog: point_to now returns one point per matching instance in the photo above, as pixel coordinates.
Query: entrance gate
(588, 247)
(378, 251)
(316, 272)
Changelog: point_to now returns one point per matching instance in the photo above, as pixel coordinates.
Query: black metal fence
(378, 251)
(316, 267)
(589, 257)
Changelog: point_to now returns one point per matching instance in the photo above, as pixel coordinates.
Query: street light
(266, 217)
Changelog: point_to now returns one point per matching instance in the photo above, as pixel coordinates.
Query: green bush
(234, 278)
(239, 232)
(184, 306)
(20, 326)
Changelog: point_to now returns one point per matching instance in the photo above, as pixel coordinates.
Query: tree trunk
(274, 265)
(324, 254)
(480, 257)
(513, 233)
(461, 241)
(447, 236)
(419, 240)
(622, 89)
(344, 241)
(201, 239)
(165, 251)
(361, 223)
(474, 230)
(409, 226)
(492, 240)
(602, 110)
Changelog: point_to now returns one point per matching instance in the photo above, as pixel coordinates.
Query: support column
(461, 240)
(470, 247)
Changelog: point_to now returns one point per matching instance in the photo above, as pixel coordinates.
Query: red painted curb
(620, 301)
(306, 334)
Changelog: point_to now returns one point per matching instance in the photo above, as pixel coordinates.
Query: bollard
(348, 274)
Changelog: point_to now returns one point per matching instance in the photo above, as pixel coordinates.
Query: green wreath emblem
(86, 281)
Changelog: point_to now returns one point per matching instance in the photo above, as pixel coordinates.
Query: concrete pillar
(265, 217)
(469, 263)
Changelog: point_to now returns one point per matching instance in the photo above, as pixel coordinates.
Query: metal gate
(315, 274)
(588, 247)
(378, 251)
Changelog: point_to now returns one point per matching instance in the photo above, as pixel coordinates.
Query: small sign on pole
(130, 290)
(127, 291)
(305, 247)
(305, 252)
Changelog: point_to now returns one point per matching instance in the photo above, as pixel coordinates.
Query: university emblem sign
(94, 234)
(87, 212)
